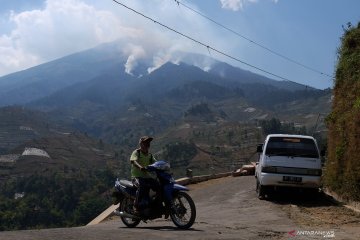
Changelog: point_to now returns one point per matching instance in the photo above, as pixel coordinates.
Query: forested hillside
(343, 165)
(67, 186)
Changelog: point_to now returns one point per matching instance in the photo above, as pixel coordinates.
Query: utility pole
(316, 124)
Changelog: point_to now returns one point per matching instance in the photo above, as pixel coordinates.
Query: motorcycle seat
(127, 183)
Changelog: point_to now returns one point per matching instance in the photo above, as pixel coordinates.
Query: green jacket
(142, 159)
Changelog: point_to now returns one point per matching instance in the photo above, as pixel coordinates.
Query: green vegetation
(224, 146)
(179, 155)
(200, 110)
(342, 173)
(275, 126)
(269, 96)
(54, 200)
(69, 188)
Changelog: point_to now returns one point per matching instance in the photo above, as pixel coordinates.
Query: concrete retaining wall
(202, 178)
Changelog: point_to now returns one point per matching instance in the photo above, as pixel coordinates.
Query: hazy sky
(306, 31)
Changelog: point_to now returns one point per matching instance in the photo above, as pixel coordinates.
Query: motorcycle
(170, 200)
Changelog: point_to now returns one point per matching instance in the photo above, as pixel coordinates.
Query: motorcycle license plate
(292, 179)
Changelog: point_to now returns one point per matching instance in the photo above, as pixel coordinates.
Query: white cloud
(63, 27)
(235, 5)
(13, 58)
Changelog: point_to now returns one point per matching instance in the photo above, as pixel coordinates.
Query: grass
(342, 173)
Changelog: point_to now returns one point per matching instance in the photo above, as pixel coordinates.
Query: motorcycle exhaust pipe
(124, 214)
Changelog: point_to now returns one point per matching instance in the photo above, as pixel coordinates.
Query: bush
(342, 173)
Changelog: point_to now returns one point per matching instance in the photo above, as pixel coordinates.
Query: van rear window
(295, 147)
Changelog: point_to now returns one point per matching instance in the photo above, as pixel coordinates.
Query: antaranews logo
(325, 234)
(292, 233)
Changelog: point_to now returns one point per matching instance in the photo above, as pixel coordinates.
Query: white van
(287, 161)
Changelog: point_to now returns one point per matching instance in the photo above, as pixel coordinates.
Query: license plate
(292, 179)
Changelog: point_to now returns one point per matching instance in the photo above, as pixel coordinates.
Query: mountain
(172, 83)
(117, 106)
(241, 76)
(93, 92)
(105, 89)
(108, 59)
(45, 79)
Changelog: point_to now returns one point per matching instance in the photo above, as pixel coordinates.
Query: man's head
(144, 143)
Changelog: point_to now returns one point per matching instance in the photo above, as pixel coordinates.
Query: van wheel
(260, 190)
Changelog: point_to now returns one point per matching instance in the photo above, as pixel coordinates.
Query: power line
(201, 43)
(252, 41)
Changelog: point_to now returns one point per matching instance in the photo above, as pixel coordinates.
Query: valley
(88, 123)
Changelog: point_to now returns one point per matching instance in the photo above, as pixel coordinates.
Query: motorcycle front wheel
(126, 205)
(183, 212)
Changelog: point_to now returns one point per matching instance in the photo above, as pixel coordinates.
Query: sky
(305, 31)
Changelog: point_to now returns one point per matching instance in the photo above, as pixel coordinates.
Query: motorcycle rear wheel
(126, 205)
(184, 213)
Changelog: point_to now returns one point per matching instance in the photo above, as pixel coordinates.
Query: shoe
(167, 213)
(136, 211)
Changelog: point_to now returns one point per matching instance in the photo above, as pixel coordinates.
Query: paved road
(227, 208)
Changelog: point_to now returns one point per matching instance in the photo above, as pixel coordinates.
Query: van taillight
(314, 172)
(269, 169)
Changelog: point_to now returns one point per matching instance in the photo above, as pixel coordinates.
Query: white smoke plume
(135, 53)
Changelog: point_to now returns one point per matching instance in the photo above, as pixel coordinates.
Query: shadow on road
(302, 198)
(167, 228)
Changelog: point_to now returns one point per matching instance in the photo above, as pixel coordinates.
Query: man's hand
(138, 165)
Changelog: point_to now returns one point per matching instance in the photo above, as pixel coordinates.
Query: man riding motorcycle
(136, 204)
(140, 158)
